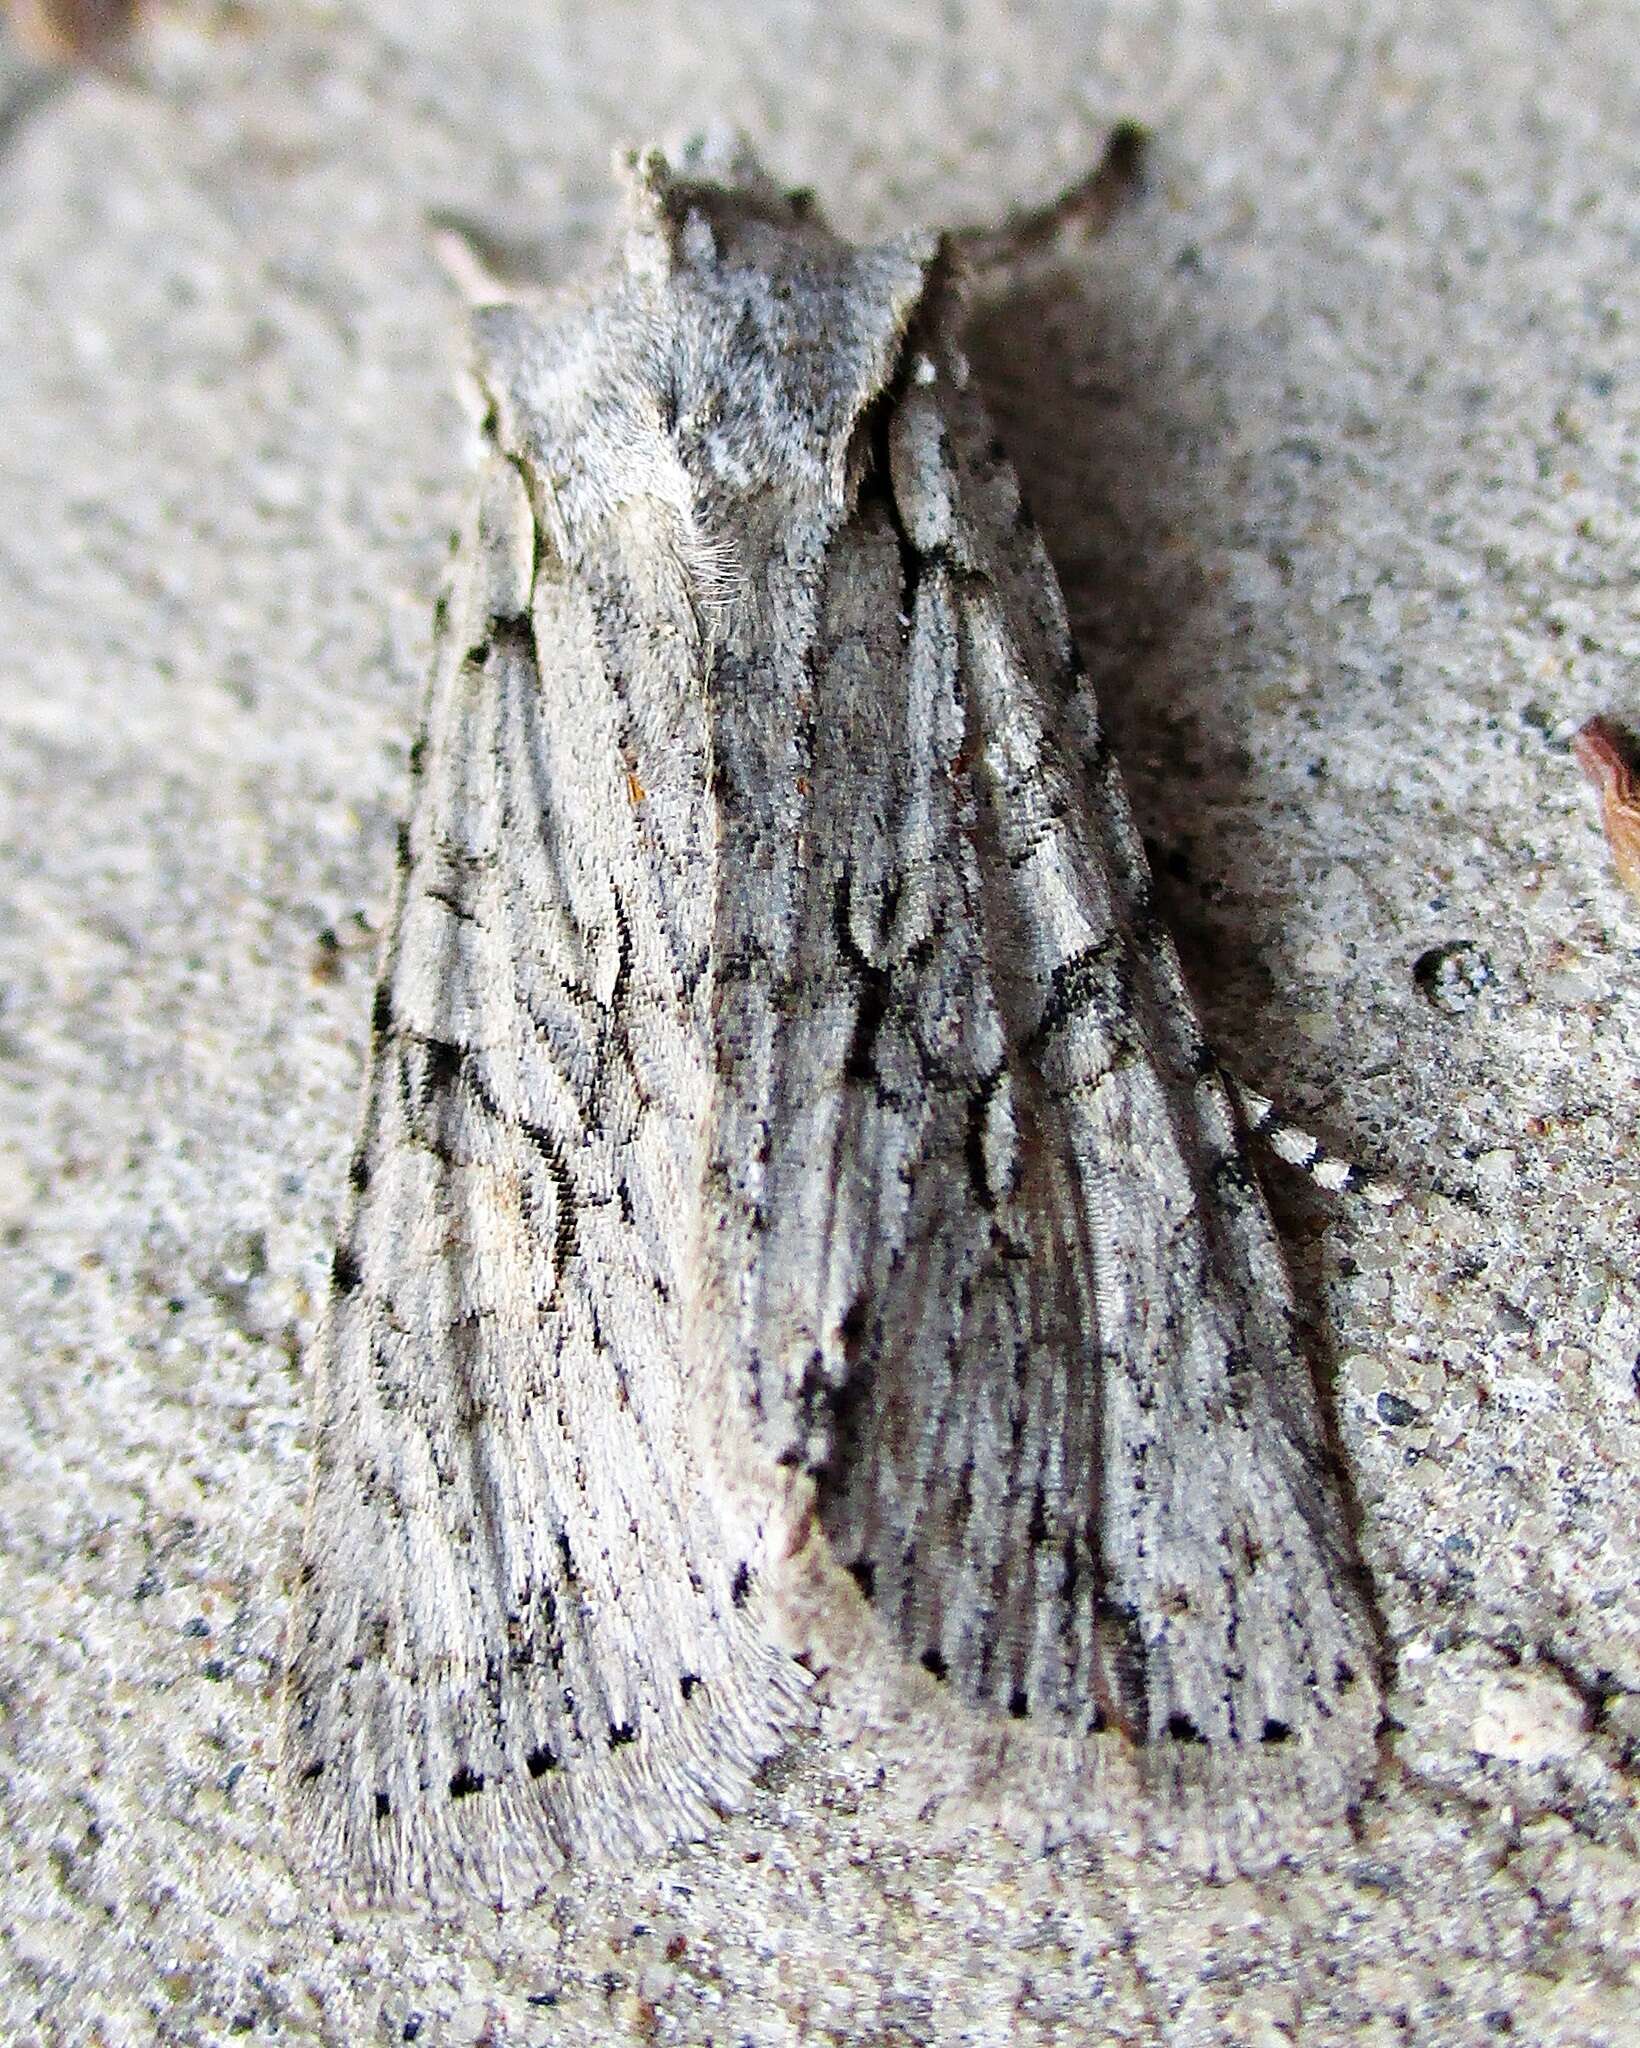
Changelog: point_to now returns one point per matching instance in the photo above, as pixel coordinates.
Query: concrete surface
(1333, 438)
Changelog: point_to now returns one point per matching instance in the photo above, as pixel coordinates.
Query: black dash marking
(1275, 1731)
(872, 983)
(540, 1760)
(863, 1572)
(1091, 979)
(566, 1235)
(465, 1783)
(401, 846)
(443, 1066)
(621, 1733)
(741, 1586)
(345, 1275)
(1068, 1580)
(381, 1010)
(979, 1112)
(358, 1173)
(934, 1664)
(861, 1064)
(310, 1772)
(1019, 1703)
(384, 1806)
(689, 1685)
(1180, 1728)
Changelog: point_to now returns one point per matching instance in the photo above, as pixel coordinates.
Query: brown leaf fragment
(71, 31)
(1605, 755)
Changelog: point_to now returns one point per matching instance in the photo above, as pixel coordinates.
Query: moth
(800, 1246)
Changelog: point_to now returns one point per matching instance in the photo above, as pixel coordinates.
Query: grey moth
(800, 1248)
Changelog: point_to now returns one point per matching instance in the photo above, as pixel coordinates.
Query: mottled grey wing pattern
(1012, 1371)
(795, 1207)
(518, 1636)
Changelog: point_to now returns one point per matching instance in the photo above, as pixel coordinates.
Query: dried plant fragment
(1604, 754)
(71, 31)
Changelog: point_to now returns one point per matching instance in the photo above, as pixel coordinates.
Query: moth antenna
(1085, 208)
(1297, 1147)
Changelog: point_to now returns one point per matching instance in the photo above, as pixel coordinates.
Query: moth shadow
(1075, 380)
(1073, 386)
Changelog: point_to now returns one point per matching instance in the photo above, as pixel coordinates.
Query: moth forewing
(999, 1329)
(519, 1642)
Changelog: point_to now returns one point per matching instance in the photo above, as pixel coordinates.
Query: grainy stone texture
(1333, 440)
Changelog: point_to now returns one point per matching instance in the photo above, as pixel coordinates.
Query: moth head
(767, 336)
(717, 371)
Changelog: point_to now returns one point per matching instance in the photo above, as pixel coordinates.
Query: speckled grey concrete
(1333, 439)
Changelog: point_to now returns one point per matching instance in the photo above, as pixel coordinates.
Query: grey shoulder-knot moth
(798, 1233)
